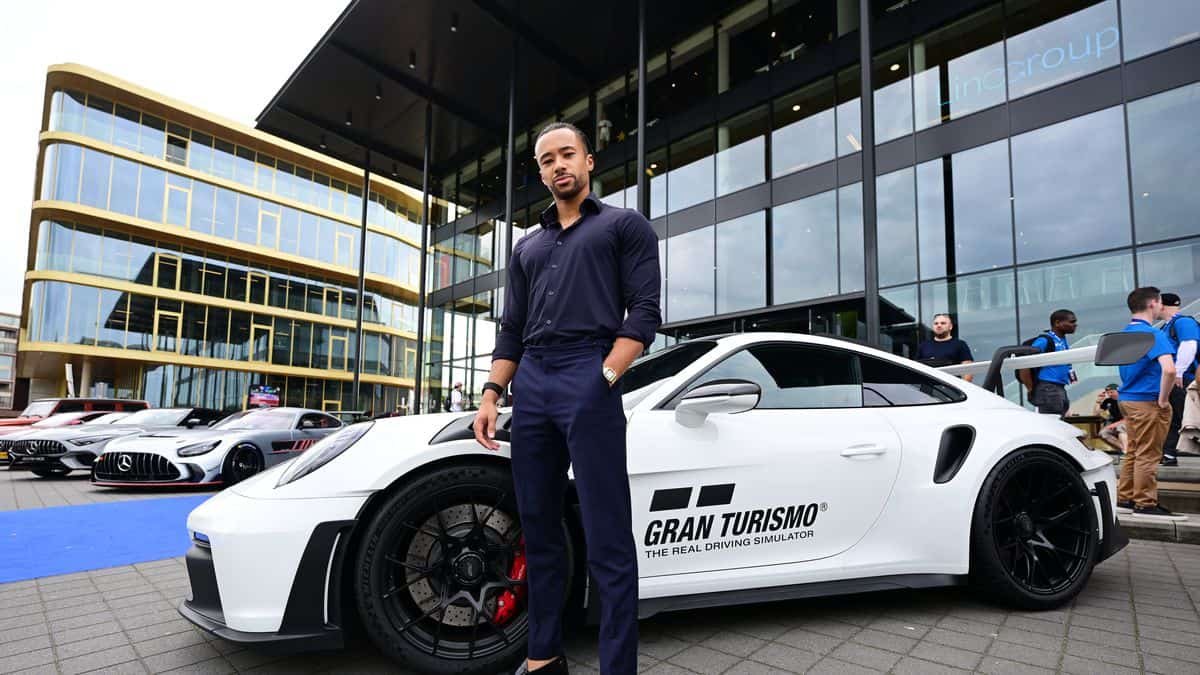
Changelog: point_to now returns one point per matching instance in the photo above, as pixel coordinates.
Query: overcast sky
(225, 56)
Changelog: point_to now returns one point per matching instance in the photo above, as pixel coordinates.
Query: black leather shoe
(556, 667)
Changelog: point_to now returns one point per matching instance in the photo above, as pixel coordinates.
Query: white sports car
(762, 466)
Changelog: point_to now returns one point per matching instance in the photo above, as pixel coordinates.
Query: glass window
(59, 243)
(656, 167)
(54, 317)
(81, 319)
(798, 27)
(968, 228)
(804, 132)
(177, 150)
(793, 376)
(959, 68)
(690, 181)
(200, 152)
(1158, 24)
(897, 227)
(114, 261)
(690, 274)
(93, 189)
(114, 313)
(123, 195)
(1093, 287)
(849, 112)
(1174, 267)
(983, 307)
(742, 151)
(1164, 154)
(98, 119)
(85, 256)
(891, 384)
(225, 214)
(852, 272)
(204, 198)
(1052, 43)
(742, 263)
(70, 163)
(127, 127)
(743, 45)
(178, 196)
(72, 112)
(1069, 186)
(223, 158)
(900, 328)
(150, 194)
(804, 243)
(893, 95)
(247, 219)
(243, 167)
(153, 136)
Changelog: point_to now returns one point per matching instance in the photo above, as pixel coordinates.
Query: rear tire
(1034, 537)
(43, 472)
(437, 551)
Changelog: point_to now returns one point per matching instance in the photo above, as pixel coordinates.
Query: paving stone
(29, 659)
(904, 628)
(755, 668)
(31, 644)
(24, 632)
(1031, 654)
(1029, 639)
(168, 643)
(1079, 666)
(101, 642)
(703, 660)
(881, 640)
(817, 643)
(1102, 637)
(970, 626)
(830, 666)
(96, 660)
(665, 668)
(995, 666)
(1113, 655)
(785, 658)
(734, 643)
(950, 656)
(959, 640)
(213, 666)
(869, 657)
(90, 632)
(180, 657)
(911, 666)
(1168, 666)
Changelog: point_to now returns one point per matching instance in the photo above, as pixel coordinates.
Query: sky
(224, 56)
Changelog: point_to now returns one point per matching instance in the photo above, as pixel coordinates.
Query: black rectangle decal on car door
(715, 495)
(670, 499)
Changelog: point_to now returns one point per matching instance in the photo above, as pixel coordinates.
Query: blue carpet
(64, 539)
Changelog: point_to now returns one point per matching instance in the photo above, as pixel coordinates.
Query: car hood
(165, 440)
(8, 426)
(88, 431)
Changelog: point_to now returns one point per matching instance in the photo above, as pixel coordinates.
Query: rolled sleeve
(510, 339)
(641, 280)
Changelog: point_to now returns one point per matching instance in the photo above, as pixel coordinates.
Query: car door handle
(864, 450)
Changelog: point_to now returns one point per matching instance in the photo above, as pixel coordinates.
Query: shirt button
(551, 293)
(547, 322)
(560, 243)
(554, 266)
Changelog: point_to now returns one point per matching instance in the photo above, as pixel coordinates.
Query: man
(1145, 398)
(944, 348)
(1183, 332)
(1046, 387)
(1113, 432)
(581, 303)
(456, 398)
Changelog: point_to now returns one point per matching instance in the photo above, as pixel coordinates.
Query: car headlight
(323, 452)
(198, 448)
(90, 440)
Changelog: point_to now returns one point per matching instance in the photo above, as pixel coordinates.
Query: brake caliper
(509, 600)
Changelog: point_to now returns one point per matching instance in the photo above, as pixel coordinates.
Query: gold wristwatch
(610, 375)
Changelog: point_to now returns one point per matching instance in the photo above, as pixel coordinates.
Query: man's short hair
(948, 317)
(555, 126)
(1140, 298)
(1060, 315)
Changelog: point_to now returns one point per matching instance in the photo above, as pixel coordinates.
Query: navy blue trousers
(565, 414)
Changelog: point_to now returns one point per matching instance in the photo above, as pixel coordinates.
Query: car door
(312, 427)
(801, 476)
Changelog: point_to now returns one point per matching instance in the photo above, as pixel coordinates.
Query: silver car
(232, 450)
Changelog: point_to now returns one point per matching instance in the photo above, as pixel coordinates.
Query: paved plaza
(1138, 614)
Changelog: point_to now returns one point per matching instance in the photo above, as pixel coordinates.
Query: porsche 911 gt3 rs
(232, 450)
(762, 467)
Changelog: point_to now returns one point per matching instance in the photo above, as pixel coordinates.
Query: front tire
(1034, 538)
(242, 462)
(439, 577)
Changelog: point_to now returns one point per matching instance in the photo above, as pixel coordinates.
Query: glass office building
(182, 259)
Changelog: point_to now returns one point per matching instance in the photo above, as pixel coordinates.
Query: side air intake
(952, 452)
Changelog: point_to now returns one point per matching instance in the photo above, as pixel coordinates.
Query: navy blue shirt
(597, 279)
(952, 350)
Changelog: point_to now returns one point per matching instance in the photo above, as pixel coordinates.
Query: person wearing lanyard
(1046, 387)
(1145, 399)
(1183, 332)
(581, 303)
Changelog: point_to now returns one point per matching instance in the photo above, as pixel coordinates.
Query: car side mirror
(194, 422)
(1123, 348)
(721, 396)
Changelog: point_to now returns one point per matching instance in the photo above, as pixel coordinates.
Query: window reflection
(1069, 187)
(1172, 267)
(893, 95)
(1093, 287)
(852, 274)
(691, 178)
(1157, 25)
(741, 263)
(804, 244)
(690, 274)
(1052, 43)
(804, 132)
(959, 68)
(849, 112)
(897, 227)
(967, 228)
(983, 306)
(741, 151)
(1164, 154)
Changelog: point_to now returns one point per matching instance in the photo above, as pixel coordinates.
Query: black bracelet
(492, 386)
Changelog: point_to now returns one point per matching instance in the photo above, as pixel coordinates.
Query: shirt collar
(1133, 321)
(549, 217)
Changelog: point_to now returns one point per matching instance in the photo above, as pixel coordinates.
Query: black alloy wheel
(242, 462)
(440, 575)
(1035, 535)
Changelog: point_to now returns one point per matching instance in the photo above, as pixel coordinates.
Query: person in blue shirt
(1046, 387)
(1184, 334)
(1145, 399)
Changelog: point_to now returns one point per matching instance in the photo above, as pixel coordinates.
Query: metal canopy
(382, 60)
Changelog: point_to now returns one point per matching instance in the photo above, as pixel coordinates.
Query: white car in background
(762, 467)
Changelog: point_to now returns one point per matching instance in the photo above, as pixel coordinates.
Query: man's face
(563, 163)
(1156, 308)
(942, 326)
(1168, 311)
(1066, 326)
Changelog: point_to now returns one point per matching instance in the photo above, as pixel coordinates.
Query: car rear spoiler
(1113, 349)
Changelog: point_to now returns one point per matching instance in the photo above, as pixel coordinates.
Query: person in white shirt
(456, 398)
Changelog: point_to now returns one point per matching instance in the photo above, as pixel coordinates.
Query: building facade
(1028, 156)
(10, 325)
(182, 259)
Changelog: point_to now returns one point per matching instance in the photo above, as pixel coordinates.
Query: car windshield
(110, 418)
(159, 417)
(38, 409)
(60, 419)
(663, 364)
(258, 419)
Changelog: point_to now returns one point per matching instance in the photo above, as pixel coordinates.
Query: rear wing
(1113, 349)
